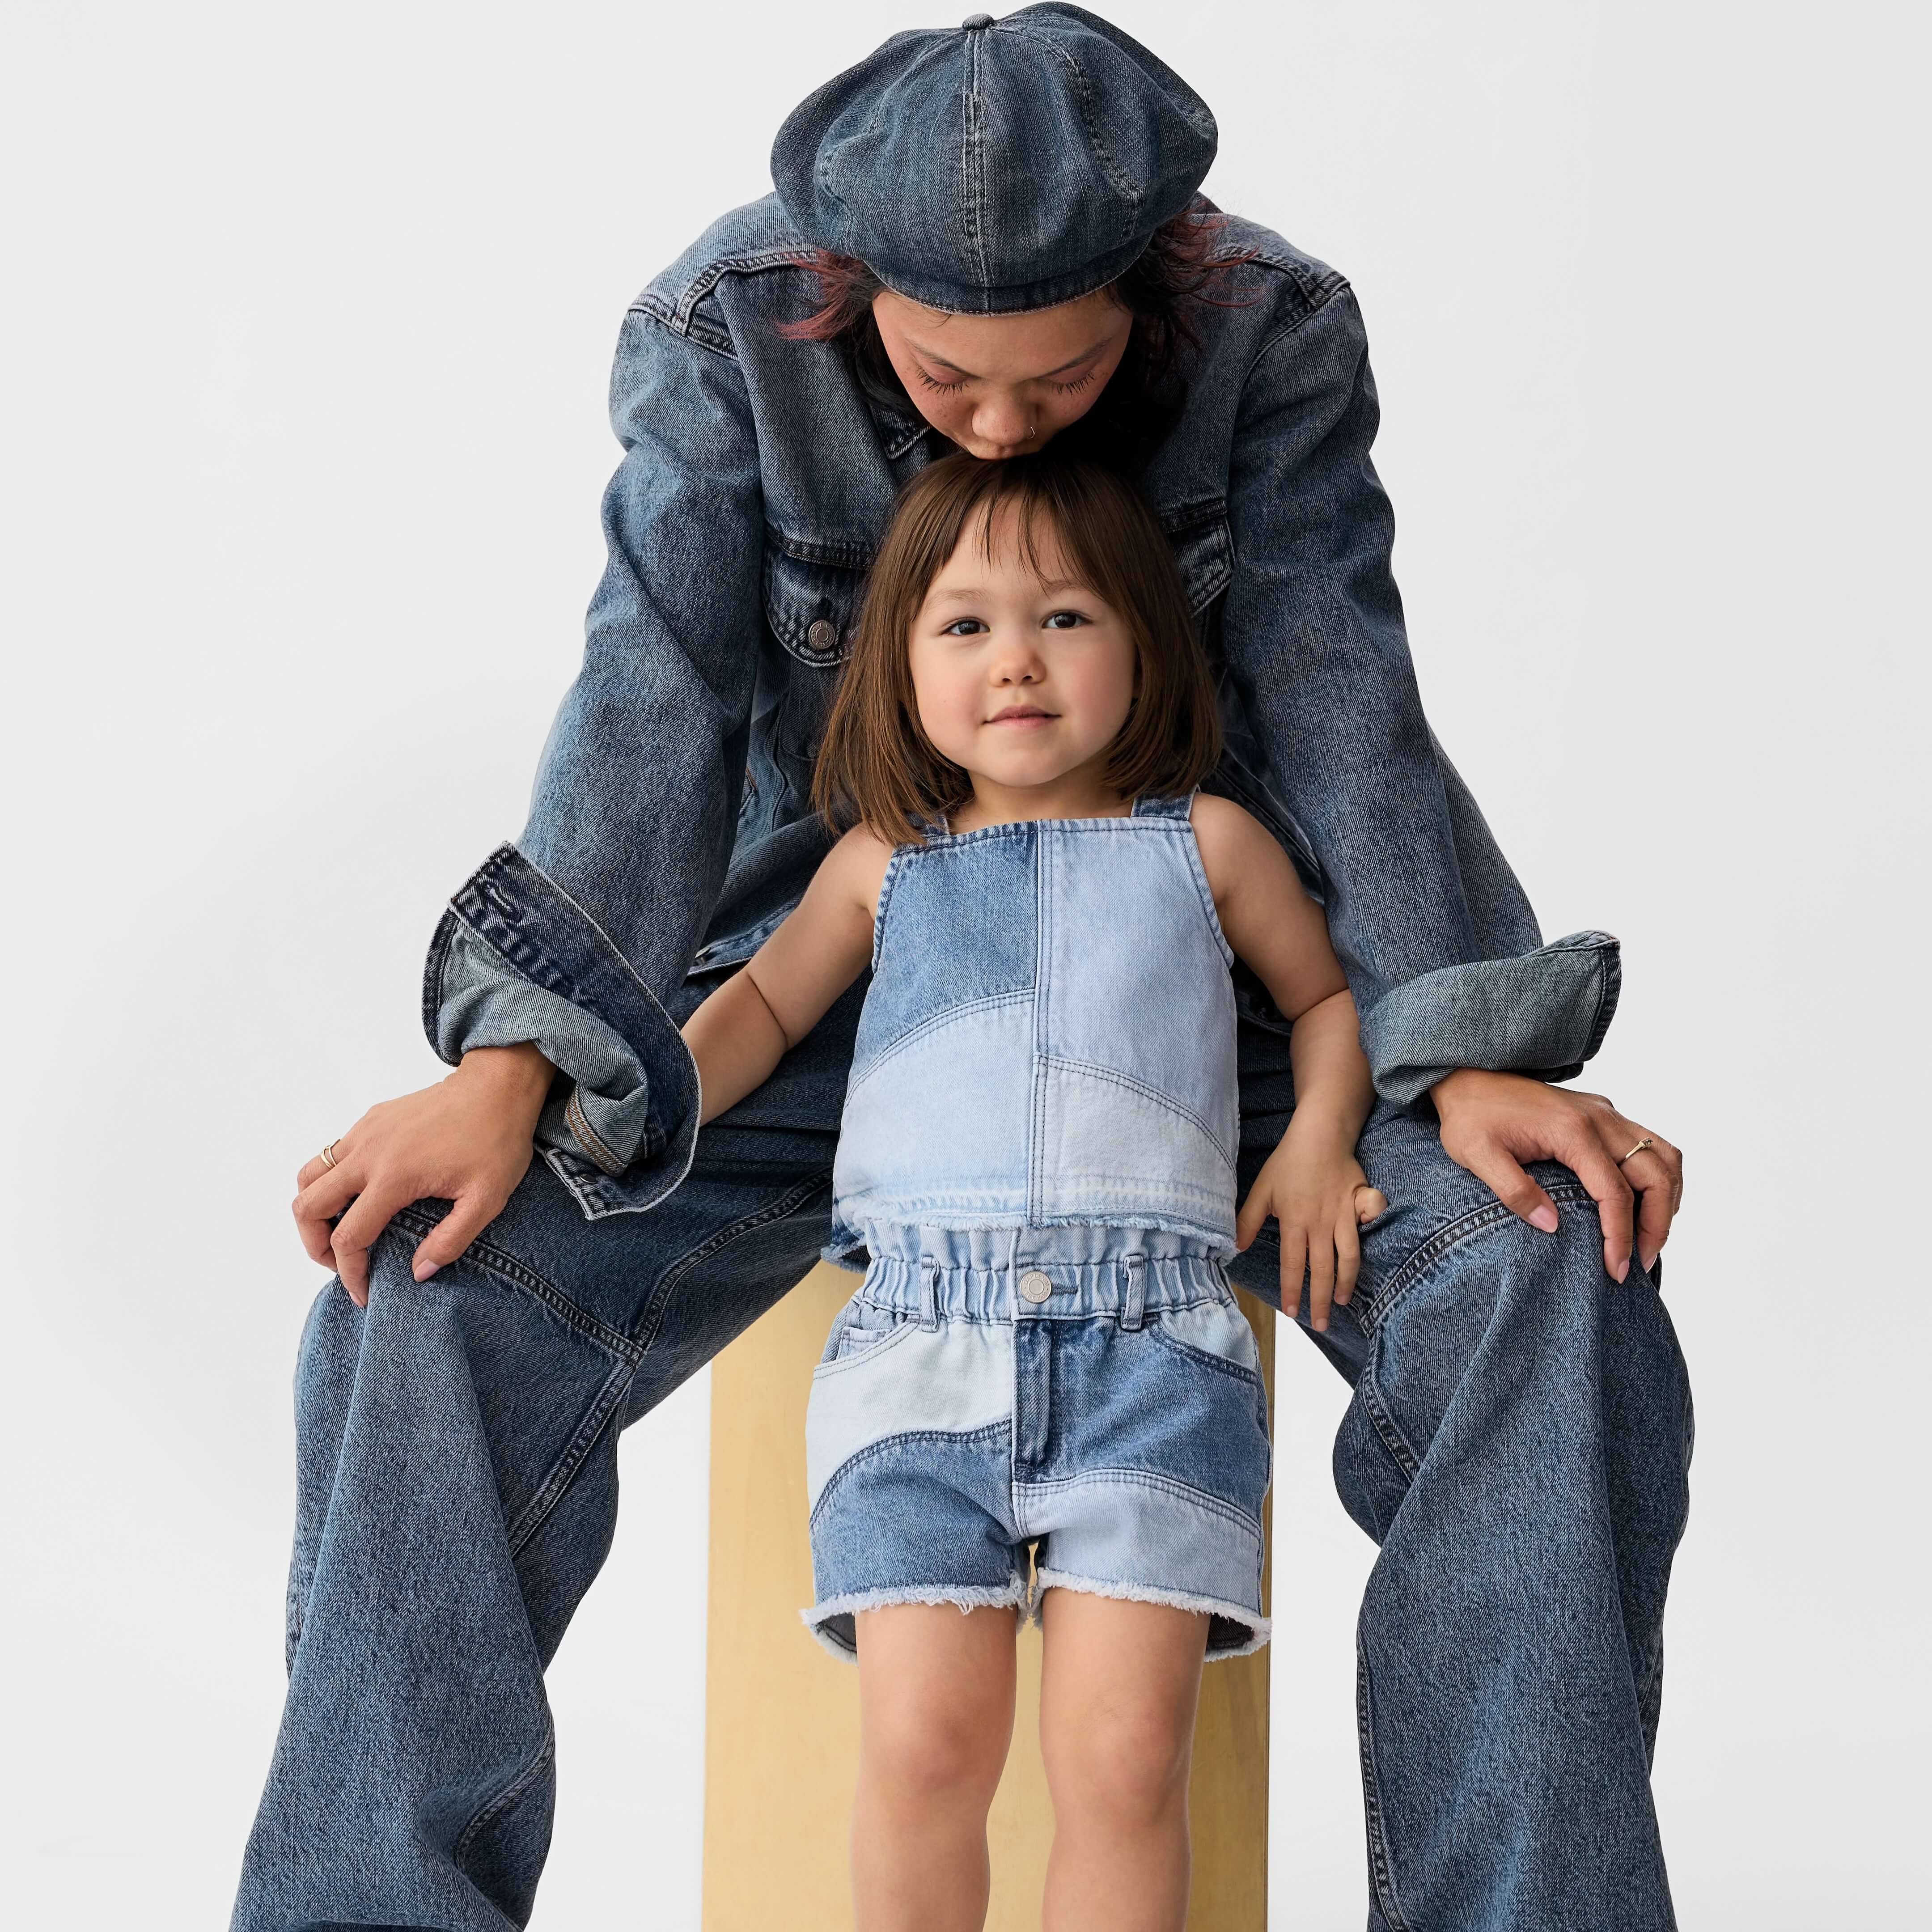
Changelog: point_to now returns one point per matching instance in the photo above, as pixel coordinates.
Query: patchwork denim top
(1049, 1038)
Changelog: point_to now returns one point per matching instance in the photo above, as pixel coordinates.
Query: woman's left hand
(1492, 1123)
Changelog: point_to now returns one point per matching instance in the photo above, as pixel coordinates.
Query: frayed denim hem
(1257, 1627)
(963, 1597)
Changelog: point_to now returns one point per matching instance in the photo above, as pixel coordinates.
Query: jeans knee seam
(493, 1808)
(1452, 1235)
(563, 1472)
(1381, 1872)
(719, 1238)
(1388, 1432)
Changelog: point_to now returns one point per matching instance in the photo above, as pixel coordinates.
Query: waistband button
(1035, 1286)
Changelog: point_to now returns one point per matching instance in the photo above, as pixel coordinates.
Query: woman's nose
(1002, 421)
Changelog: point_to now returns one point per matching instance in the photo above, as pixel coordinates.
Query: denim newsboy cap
(999, 166)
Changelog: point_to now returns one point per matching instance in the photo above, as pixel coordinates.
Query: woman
(985, 237)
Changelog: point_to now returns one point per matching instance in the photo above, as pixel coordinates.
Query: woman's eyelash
(1074, 387)
(931, 384)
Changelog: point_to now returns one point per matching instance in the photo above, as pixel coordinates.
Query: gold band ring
(1647, 1141)
(328, 1153)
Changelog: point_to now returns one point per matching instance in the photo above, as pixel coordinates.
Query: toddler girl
(1036, 1168)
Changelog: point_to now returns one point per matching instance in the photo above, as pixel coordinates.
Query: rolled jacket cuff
(514, 958)
(1543, 1013)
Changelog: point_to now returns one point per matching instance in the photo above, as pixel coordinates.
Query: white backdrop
(308, 323)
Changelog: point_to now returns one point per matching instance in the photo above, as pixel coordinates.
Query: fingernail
(1322, 1326)
(1623, 1273)
(422, 1270)
(1545, 1218)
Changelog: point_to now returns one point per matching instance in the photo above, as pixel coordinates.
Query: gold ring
(1647, 1141)
(328, 1153)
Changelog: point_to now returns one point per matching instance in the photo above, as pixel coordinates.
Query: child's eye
(963, 627)
(1065, 620)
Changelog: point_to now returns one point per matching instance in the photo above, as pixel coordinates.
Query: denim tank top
(1049, 1038)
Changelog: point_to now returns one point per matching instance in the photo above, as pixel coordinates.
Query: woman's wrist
(517, 1077)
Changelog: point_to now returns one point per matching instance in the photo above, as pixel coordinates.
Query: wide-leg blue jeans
(1517, 1444)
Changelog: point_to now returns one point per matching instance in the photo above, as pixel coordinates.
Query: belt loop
(1135, 1303)
(928, 1293)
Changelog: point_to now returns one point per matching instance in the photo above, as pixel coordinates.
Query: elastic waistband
(1006, 1274)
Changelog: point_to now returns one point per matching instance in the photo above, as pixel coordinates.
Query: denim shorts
(1094, 1392)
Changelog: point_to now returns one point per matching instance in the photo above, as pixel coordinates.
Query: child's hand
(1314, 1186)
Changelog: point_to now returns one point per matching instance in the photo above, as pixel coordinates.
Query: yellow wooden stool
(781, 1718)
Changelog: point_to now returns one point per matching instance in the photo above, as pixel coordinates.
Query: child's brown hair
(876, 766)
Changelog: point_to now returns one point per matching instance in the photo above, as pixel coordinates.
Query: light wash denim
(1090, 1388)
(1037, 1156)
(1518, 1433)
(1017, 1065)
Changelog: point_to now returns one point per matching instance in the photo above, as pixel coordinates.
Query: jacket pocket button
(823, 636)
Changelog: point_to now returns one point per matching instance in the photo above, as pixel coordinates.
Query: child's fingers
(1294, 1266)
(1321, 1281)
(1370, 1202)
(1347, 1256)
(1252, 1213)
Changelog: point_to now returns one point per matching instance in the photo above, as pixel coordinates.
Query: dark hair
(1183, 265)
(875, 764)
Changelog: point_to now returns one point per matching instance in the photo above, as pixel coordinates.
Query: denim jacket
(670, 831)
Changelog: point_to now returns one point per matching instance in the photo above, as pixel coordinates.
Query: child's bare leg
(935, 1718)
(1119, 1682)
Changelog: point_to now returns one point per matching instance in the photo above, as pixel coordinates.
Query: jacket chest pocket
(810, 604)
(1204, 551)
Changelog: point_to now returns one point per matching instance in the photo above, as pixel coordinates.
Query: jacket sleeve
(1436, 936)
(601, 903)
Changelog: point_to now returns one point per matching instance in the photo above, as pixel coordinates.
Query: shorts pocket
(858, 1327)
(1215, 1333)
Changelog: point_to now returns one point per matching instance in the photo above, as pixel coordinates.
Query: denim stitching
(1043, 944)
(1382, 1421)
(972, 161)
(1205, 1357)
(1116, 180)
(1150, 1479)
(1191, 857)
(886, 885)
(1379, 1869)
(494, 1261)
(1141, 1087)
(776, 1211)
(929, 1023)
(507, 1796)
(576, 1452)
(1318, 299)
(592, 1142)
(1381, 1299)
(986, 1431)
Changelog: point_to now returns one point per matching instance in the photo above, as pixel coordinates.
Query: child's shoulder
(857, 862)
(1223, 826)
(1234, 845)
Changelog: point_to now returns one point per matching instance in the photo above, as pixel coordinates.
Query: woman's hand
(1315, 1187)
(467, 1140)
(1492, 1123)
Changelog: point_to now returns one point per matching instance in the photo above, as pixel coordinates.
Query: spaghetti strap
(1150, 805)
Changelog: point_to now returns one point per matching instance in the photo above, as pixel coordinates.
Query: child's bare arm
(744, 1028)
(1312, 1183)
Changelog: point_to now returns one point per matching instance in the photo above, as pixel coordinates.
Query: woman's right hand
(467, 1140)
